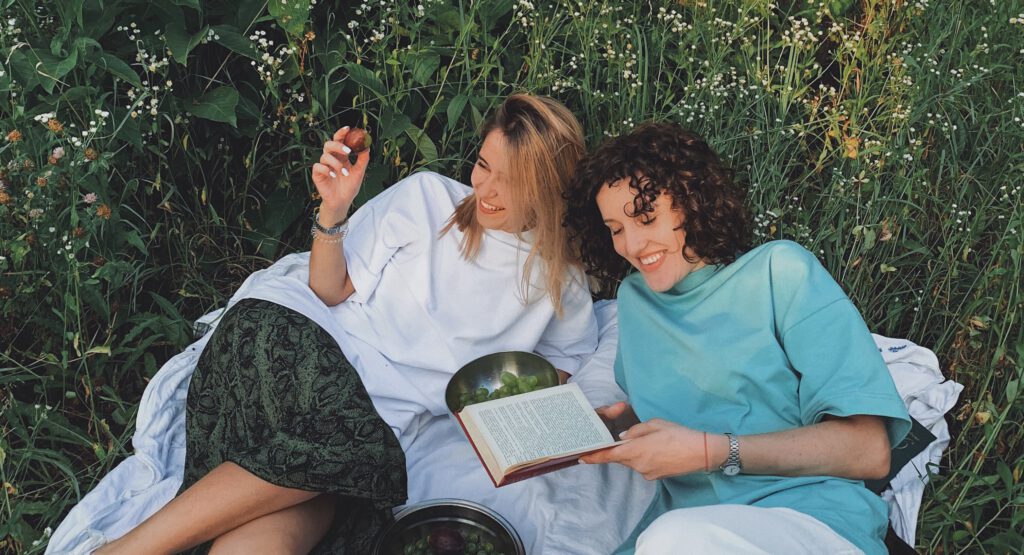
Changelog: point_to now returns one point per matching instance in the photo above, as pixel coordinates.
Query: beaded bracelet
(330, 239)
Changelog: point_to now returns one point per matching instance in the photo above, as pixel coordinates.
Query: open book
(537, 432)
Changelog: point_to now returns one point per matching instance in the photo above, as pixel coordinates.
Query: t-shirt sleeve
(402, 216)
(568, 341)
(829, 346)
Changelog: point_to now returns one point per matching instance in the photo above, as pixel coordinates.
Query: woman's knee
(694, 530)
(295, 530)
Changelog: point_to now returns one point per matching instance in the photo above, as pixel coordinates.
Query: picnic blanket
(584, 510)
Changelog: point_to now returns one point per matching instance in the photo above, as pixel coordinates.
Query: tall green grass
(884, 135)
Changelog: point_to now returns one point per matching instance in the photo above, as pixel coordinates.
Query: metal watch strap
(339, 228)
(732, 465)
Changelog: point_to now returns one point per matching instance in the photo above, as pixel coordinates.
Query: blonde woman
(295, 437)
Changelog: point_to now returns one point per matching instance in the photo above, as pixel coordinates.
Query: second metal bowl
(416, 522)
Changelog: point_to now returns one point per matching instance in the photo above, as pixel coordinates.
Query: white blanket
(582, 510)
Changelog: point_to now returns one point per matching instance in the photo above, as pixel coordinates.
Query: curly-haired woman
(763, 399)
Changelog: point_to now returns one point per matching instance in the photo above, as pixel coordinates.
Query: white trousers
(736, 529)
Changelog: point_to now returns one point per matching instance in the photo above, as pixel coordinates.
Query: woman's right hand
(337, 179)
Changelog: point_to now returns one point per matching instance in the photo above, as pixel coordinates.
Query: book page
(539, 424)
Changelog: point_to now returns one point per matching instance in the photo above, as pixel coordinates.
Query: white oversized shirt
(421, 310)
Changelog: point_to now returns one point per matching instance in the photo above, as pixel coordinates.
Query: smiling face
(490, 179)
(653, 243)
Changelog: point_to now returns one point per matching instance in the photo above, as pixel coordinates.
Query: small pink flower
(90, 198)
(58, 153)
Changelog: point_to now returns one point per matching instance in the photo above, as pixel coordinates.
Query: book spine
(465, 432)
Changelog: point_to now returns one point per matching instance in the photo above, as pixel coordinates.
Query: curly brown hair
(657, 158)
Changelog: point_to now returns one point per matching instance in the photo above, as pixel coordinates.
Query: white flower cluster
(297, 96)
(674, 20)
(210, 35)
(131, 29)
(523, 9)
(151, 62)
(800, 35)
(960, 215)
(46, 117)
(48, 531)
(10, 27)
(706, 95)
(269, 64)
(387, 17)
(94, 126)
(1008, 194)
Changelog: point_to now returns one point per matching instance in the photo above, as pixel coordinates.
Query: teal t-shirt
(769, 342)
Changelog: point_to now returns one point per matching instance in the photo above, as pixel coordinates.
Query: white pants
(734, 529)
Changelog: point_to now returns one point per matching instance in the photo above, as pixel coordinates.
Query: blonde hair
(545, 142)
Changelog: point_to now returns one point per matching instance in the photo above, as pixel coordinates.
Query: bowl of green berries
(449, 527)
(498, 375)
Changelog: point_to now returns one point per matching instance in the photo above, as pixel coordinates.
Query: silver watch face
(731, 469)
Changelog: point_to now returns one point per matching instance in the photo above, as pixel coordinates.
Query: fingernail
(581, 461)
(333, 174)
(344, 128)
(344, 171)
(346, 149)
(622, 435)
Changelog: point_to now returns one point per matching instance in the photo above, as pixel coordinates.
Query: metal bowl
(416, 522)
(486, 372)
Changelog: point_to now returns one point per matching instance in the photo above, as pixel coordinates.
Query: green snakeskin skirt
(273, 393)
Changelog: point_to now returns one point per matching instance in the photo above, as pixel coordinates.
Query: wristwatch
(340, 228)
(732, 465)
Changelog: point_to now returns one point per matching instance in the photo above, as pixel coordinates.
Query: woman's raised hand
(337, 179)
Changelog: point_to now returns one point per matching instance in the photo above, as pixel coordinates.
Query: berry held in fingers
(358, 140)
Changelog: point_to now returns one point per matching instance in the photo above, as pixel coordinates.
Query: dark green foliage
(884, 135)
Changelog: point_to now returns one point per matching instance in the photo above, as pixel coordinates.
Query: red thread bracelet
(707, 463)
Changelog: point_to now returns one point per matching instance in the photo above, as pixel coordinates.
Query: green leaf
(1006, 475)
(455, 109)
(23, 70)
(119, 68)
(217, 105)
(363, 76)
(393, 124)
(180, 43)
(167, 13)
(424, 146)
(292, 15)
(194, 4)
(229, 37)
(170, 311)
(869, 238)
(279, 212)
(72, 8)
(839, 7)
(134, 240)
(495, 9)
(51, 68)
(424, 66)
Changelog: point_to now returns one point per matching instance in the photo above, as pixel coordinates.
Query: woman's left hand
(657, 449)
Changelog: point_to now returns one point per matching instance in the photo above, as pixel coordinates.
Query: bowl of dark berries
(449, 527)
(498, 375)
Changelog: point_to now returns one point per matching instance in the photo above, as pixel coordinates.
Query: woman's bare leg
(226, 498)
(295, 530)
